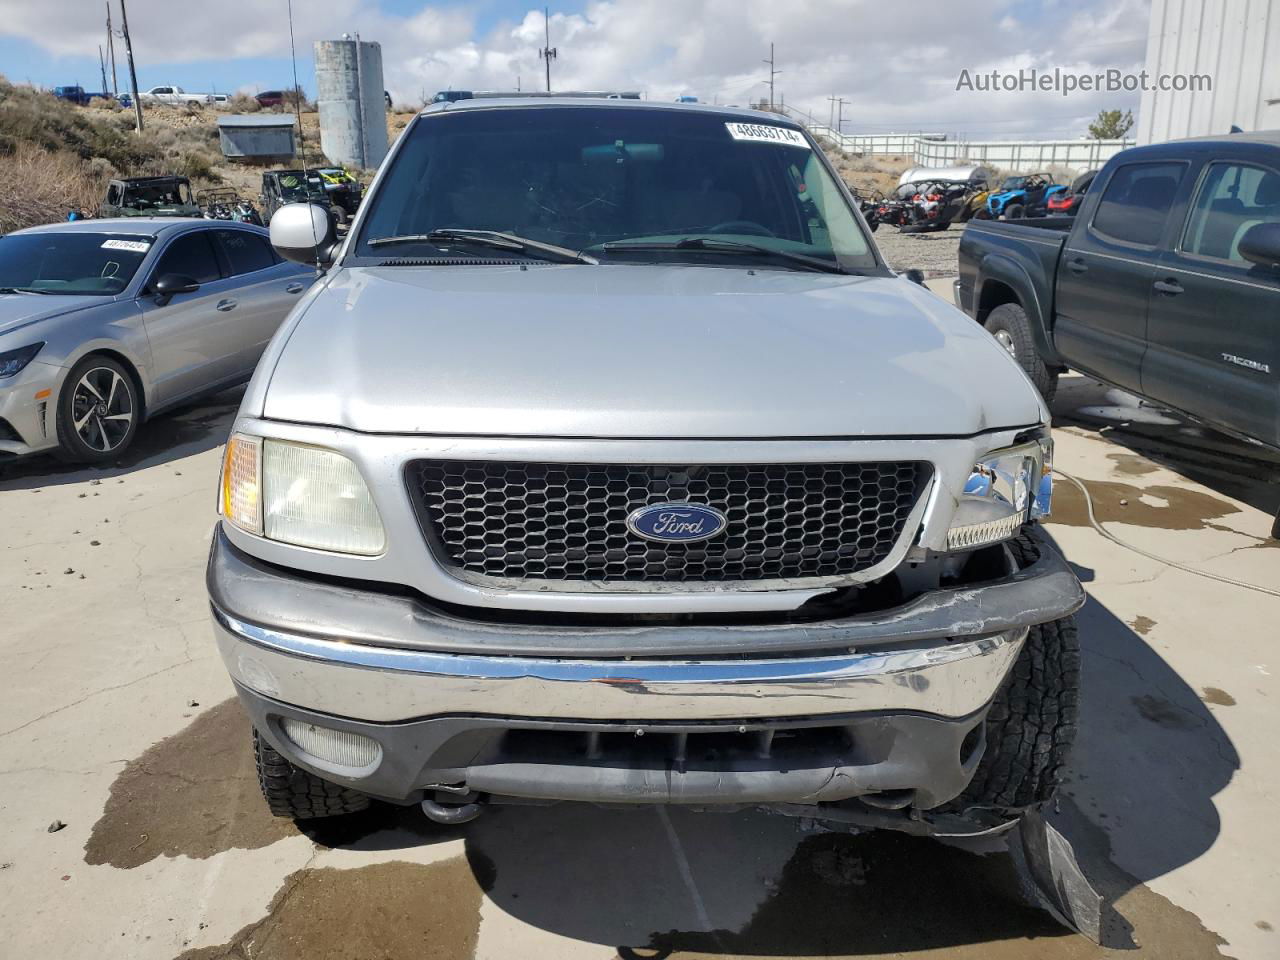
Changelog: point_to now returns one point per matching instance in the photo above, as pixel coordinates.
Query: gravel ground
(934, 253)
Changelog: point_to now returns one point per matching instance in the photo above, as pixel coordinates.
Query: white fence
(941, 150)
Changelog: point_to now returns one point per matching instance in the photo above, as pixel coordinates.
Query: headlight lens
(1005, 489)
(13, 361)
(299, 494)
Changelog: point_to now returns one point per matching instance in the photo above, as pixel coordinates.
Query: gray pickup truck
(608, 462)
(1166, 283)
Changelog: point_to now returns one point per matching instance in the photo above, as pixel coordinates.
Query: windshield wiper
(25, 290)
(716, 245)
(491, 238)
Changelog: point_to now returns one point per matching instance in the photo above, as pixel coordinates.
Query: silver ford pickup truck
(609, 462)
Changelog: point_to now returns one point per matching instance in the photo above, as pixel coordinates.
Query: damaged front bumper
(887, 705)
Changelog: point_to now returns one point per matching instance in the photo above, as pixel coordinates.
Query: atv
(150, 197)
(1022, 195)
(1066, 203)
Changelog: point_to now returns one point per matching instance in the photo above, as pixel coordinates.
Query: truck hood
(18, 310)
(633, 351)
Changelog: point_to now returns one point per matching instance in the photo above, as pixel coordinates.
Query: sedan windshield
(84, 264)
(597, 179)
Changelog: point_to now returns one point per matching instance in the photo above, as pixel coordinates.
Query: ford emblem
(676, 522)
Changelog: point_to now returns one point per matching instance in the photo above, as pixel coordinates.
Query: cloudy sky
(897, 65)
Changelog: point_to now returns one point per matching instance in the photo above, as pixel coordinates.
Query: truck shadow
(1243, 471)
(676, 883)
(173, 435)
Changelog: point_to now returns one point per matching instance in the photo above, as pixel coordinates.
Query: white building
(1236, 43)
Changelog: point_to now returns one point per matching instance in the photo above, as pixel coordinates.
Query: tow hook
(451, 814)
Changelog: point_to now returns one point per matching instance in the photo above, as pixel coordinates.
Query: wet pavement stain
(892, 895)
(192, 794)
(196, 793)
(1163, 713)
(389, 910)
(1178, 508)
(1142, 625)
(1131, 465)
(1218, 697)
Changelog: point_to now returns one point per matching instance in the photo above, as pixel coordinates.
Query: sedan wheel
(98, 410)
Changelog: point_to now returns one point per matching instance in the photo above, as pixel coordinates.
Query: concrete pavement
(116, 721)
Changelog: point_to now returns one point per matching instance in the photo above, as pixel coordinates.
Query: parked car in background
(280, 187)
(650, 484)
(76, 95)
(150, 197)
(171, 96)
(1165, 284)
(1067, 203)
(105, 323)
(270, 98)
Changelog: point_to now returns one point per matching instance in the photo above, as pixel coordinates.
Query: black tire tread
(296, 794)
(1032, 722)
(1013, 318)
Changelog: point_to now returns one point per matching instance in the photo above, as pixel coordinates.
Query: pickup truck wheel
(1008, 323)
(294, 793)
(1032, 721)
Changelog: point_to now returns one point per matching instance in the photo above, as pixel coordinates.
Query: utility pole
(133, 74)
(831, 122)
(111, 49)
(772, 74)
(102, 65)
(547, 53)
(840, 102)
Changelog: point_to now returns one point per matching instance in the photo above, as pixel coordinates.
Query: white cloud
(897, 69)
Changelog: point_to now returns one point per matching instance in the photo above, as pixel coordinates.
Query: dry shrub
(37, 186)
(243, 103)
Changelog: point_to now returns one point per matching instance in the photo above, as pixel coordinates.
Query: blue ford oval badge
(676, 522)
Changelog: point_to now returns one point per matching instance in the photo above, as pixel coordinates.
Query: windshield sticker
(133, 246)
(764, 133)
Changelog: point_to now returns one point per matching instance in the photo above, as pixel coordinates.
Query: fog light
(342, 748)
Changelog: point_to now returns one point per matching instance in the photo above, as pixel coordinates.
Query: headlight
(1005, 489)
(13, 361)
(299, 494)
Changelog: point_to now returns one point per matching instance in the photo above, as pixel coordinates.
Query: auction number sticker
(133, 246)
(766, 133)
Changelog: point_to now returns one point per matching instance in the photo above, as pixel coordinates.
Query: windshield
(583, 177)
(1014, 183)
(157, 194)
(297, 188)
(85, 264)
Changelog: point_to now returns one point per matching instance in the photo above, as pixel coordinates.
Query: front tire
(99, 411)
(296, 794)
(1009, 324)
(1032, 721)
(1014, 211)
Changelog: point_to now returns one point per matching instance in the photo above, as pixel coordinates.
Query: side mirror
(915, 275)
(1261, 244)
(172, 283)
(304, 233)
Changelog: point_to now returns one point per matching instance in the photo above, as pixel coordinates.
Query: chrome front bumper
(385, 658)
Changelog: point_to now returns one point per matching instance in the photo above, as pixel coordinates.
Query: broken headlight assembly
(1005, 489)
(299, 494)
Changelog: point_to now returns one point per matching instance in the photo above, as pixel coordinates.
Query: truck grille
(550, 521)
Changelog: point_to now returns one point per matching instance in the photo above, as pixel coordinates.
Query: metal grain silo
(352, 105)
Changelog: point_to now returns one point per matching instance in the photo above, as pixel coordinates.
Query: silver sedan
(104, 323)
